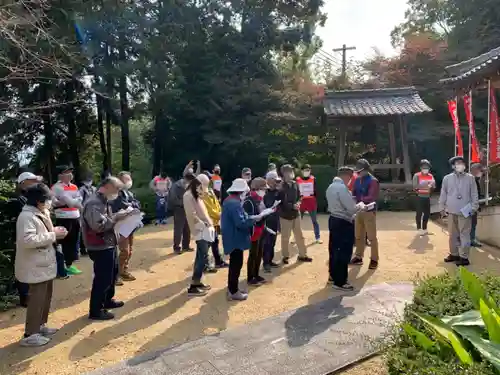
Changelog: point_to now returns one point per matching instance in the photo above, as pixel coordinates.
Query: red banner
(474, 144)
(452, 107)
(494, 156)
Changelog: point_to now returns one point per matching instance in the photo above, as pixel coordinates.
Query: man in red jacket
(309, 203)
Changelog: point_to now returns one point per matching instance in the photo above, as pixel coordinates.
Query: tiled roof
(486, 63)
(378, 102)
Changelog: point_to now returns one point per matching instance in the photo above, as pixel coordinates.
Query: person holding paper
(235, 228)
(366, 190)
(126, 200)
(289, 196)
(476, 170)
(308, 201)
(342, 209)
(67, 205)
(459, 200)
(272, 221)
(423, 184)
(202, 230)
(100, 240)
(253, 206)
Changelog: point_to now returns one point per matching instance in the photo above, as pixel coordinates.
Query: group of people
(249, 215)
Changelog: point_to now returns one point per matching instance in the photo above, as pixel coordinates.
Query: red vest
(308, 200)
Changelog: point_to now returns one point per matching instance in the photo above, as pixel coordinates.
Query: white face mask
(460, 168)
(247, 178)
(128, 184)
(290, 176)
(190, 170)
(425, 170)
(261, 193)
(479, 174)
(306, 173)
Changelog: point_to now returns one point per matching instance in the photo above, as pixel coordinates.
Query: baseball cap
(246, 171)
(272, 175)
(28, 176)
(361, 165)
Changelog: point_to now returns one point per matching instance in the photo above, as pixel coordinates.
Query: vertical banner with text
(494, 156)
(452, 107)
(474, 143)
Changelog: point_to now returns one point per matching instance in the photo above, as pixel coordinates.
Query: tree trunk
(108, 141)
(48, 133)
(157, 146)
(102, 139)
(72, 134)
(124, 116)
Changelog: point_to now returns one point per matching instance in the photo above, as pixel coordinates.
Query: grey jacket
(458, 190)
(97, 224)
(176, 194)
(340, 201)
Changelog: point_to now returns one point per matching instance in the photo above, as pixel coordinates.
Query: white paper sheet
(467, 210)
(126, 226)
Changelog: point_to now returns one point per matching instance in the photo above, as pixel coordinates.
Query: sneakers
(422, 232)
(357, 261)
(476, 243)
(258, 280)
(305, 259)
(346, 287)
(113, 304)
(318, 241)
(373, 265)
(102, 315)
(196, 291)
(267, 268)
(451, 258)
(127, 276)
(119, 281)
(64, 277)
(72, 270)
(462, 262)
(188, 250)
(222, 265)
(34, 340)
(238, 296)
(286, 260)
(46, 331)
(275, 265)
(177, 251)
(210, 270)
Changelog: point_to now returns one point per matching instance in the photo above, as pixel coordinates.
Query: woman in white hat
(236, 228)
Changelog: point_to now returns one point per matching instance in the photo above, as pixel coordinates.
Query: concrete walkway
(314, 340)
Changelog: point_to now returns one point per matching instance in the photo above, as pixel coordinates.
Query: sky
(361, 23)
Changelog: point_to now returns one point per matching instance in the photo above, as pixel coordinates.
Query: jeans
(235, 265)
(105, 273)
(254, 259)
(161, 208)
(340, 246)
(268, 243)
(314, 220)
(200, 261)
(473, 228)
(423, 212)
(216, 252)
(61, 269)
(181, 230)
(70, 243)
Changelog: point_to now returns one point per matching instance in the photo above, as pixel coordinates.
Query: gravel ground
(158, 313)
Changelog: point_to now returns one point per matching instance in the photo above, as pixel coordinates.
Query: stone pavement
(314, 340)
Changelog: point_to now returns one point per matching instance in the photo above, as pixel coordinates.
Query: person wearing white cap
(236, 226)
(24, 181)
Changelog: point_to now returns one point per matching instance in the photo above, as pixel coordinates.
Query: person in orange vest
(308, 202)
(217, 182)
(423, 184)
(67, 205)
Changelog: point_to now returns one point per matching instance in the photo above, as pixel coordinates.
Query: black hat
(306, 166)
(454, 159)
(63, 169)
(362, 165)
(425, 162)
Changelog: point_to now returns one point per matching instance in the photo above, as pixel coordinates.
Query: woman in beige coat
(36, 261)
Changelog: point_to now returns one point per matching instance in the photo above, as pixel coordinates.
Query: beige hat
(238, 186)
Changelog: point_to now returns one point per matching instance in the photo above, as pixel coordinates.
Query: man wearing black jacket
(272, 221)
(476, 170)
(24, 181)
(289, 196)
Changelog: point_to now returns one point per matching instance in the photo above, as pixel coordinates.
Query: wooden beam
(406, 153)
(392, 146)
(341, 142)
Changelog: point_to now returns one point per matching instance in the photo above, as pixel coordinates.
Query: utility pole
(344, 50)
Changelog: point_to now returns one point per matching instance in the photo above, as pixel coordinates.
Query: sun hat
(28, 176)
(239, 185)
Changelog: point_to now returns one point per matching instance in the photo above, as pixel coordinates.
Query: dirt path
(158, 313)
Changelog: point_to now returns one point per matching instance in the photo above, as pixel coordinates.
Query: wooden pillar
(404, 145)
(392, 146)
(341, 142)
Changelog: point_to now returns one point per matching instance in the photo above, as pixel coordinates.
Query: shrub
(437, 296)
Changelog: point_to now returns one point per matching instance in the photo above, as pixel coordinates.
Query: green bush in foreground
(425, 348)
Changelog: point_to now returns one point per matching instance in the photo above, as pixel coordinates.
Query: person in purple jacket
(366, 190)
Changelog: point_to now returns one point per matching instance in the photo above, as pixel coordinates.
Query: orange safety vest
(306, 187)
(217, 182)
(65, 212)
(350, 185)
(161, 183)
(421, 178)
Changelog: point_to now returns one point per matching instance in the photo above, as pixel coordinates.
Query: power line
(344, 50)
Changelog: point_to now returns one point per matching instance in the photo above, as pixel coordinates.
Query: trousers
(254, 259)
(235, 266)
(459, 228)
(423, 212)
(105, 274)
(366, 227)
(181, 229)
(287, 227)
(37, 314)
(340, 244)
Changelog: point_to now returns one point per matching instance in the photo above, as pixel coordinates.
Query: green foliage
(441, 326)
